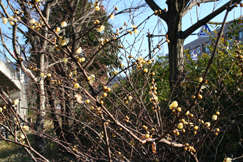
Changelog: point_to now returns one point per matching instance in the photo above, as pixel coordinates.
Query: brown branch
(197, 25)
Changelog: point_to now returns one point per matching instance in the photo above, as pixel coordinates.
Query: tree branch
(194, 3)
(194, 27)
(155, 7)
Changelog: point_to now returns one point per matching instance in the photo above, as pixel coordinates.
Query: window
(205, 48)
(240, 35)
(198, 49)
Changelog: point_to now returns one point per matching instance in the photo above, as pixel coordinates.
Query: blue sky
(189, 19)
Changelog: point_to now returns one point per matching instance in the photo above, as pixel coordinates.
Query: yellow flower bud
(65, 60)
(180, 126)
(76, 85)
(200, 79)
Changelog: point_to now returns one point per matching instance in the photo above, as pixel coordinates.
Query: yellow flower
(115, 72)
(112, 16)
(87, 101)
(200, 79)
(145, 70)
(97, 8)
(92, 77)
(135, 31)
(58, 29)
(65, 60)
(214, 117)
(63, 42)
(199, 96)
(63, 24)
(227, 159)
(207, 124)
(180, 126)
(32, 21)
(101, 40)
(16, 102)
(101, 28)
(76, 85)
(4, 20)
(129, 98)
(196, 127)
(42, 75)
(1, 109)
(79, 50)
(171, 107)
(187, 113)
(25, 127)
(82, 59)
(11, 23)
(134, 26)
(174, 104)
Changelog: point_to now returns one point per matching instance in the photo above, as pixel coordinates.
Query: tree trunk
(39, 125)
(176, 55)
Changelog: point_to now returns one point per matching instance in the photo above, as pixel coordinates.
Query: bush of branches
(97, 100)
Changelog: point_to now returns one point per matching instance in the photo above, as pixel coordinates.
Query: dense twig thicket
(108, 102)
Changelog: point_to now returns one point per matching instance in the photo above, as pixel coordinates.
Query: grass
(10, 152)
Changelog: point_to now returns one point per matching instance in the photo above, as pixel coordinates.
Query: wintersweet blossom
(11, 23)
(32, 21)
(16, 102)
(174, 104)
(42, 75)
(1, 109)
(214, 117)
(97, 8)
(79, 50)
(135, 31)
(76, 85)
(200, 79)
(4, 20)
(101, 28)
(180, 126)
(129, 98)
(227, 159)
(63, 42)
(207, 124)
(65, 60)
(63, 24)
(58, 29)
(101, 40)
(134, 26)
(25, 127)
(112, 16)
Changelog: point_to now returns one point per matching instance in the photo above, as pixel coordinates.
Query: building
(12, 84)
(199, 46)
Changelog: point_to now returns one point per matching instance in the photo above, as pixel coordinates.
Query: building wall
(201, 43)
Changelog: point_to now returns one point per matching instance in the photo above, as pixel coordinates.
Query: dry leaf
(154, 147)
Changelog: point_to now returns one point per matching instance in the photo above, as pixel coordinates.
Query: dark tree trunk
(176, 55)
